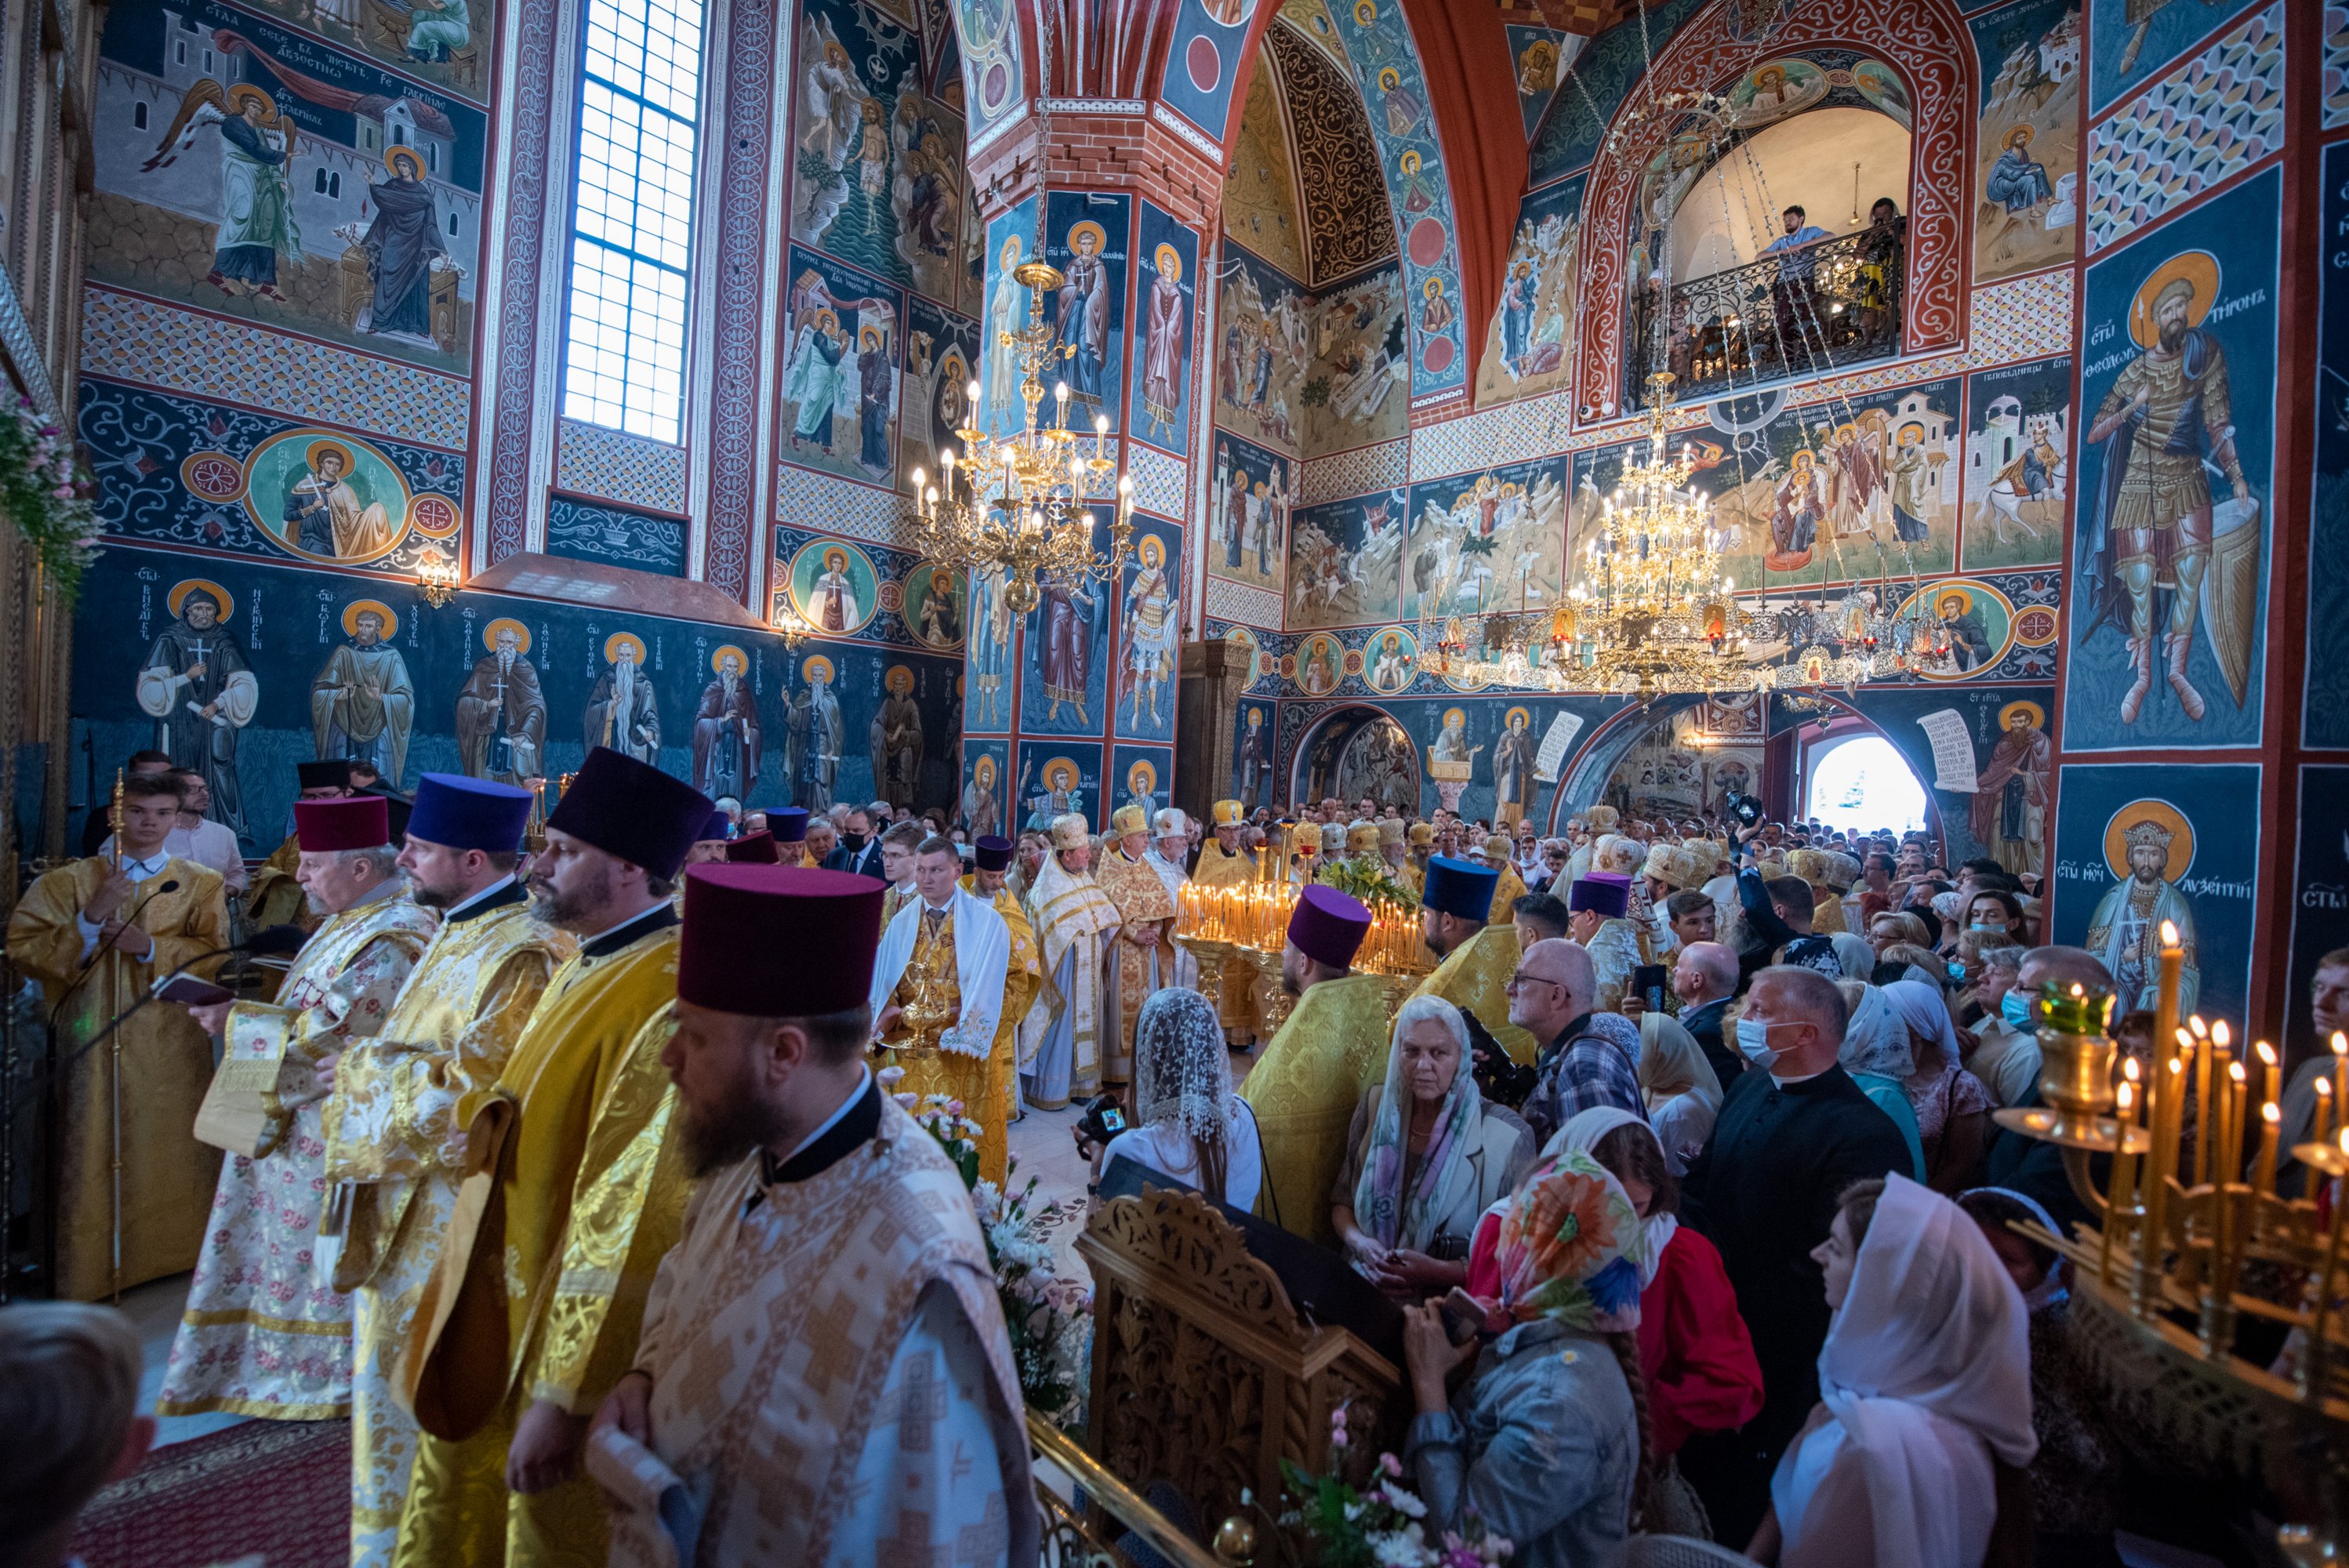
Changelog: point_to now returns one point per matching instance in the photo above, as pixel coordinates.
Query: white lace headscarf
(1181, 1068)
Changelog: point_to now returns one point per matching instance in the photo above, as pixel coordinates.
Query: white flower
(1403, 1549)
(1400, 1500)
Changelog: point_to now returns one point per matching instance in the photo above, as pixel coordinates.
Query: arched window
(632, 215)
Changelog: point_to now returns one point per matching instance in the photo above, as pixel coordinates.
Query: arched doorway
(1353, 754)
(1860, 780)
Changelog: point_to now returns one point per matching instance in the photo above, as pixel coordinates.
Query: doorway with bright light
(1862, 781)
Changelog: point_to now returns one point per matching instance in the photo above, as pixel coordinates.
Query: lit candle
(2202, 1121)
(2271, 1128)
(1101, 434)
(1060, 402)
(2340, 1077)
(2232, 1144)
(2117, 1196)
(2321, 1129)
(2319, 1329)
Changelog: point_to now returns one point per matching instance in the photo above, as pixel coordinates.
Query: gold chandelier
(1016, 507)
(1653, 613)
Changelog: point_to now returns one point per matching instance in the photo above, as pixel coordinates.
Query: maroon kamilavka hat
(349, 822)
(777, 942)
(1328, 925)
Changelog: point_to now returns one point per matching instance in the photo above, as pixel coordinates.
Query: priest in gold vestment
(1507, 886)
(575, 1189)
(403, 1100)
(1334, 1046)
(265, 1331)
(96, 936)
(825, 1379)
(937, 996)
(1023, 970)
(1061, 1043)
(1477, 958)
(1224, 863)
(1142, 959)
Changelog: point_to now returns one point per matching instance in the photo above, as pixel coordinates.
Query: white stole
(982, 959)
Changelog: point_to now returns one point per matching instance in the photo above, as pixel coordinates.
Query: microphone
(171, 885)
(269, 939)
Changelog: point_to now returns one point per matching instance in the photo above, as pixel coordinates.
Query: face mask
(1753, 1040)
(1957, 971)
(2015, 1009)
(1981, 926)
(852, 842)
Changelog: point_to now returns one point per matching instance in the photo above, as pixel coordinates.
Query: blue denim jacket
(1542, 1441)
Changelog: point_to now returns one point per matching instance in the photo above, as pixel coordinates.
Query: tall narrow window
(632, 219)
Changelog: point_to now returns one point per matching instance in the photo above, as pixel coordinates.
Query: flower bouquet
(47, 495)
(1381, 1526)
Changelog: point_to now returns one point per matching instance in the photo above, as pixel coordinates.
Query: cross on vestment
(832, 1350)
(911, 1547)
(921, 1404)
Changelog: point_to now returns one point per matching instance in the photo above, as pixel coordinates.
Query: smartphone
(1463, 1314)
(1648, 980)
(191, 992)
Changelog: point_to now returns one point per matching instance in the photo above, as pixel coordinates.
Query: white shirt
(1166, 1148)
(138, 871)
(208, 844)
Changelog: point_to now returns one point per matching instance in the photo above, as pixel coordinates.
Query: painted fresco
(1203, 59)
(1263, 323)
(2139, 844)
(840, 370)
(1261, 208)
(834, 586)
(581, 530)
(2325, 711)
(2004, 814)
(1540, 55)
(1166, 262)
(2167, 634)
(2320, 903)
(2132, 42)
(1248, 512)
(993, 71)
(1386, 67)
(1356, 390)
(984, 807)
(1011, 240)
(1486, 541)
(1862, 488)
(2027, 139)
(1251, 783)
(252, 170)
(1602, 75)
(934, 605)
(1390, 661)
(839, 588)
(1345, 560)
(877, 165)
(489, 685)
(1150, 632)
(941, 362)
(1972, 620)
(1528, 341)
(1088, 238)
(1141, 775)
(1358, 751)
(2018, 464)
(1064, 688)
(174, 470)
(993, 687)
(1057, 777)
(452, 44)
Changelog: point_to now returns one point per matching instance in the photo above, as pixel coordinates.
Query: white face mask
(1753, 1040)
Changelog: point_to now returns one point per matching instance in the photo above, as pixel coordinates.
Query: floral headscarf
(1571, 1249)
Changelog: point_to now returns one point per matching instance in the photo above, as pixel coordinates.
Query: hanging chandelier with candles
(1017, 507)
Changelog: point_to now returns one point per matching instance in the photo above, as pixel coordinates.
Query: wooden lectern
(1207, 1375)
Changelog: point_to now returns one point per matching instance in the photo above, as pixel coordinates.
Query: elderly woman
(1544, 1442)
(1425, 1160)
(1925, 1397)
(1187, 1122)
(1951, 1106)
(1679, 1086)
(1878, 1055)
(1898, 926)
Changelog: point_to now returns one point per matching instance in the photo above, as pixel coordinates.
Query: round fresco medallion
(1427, 242)
(835, 587)
(1437, 356)
(934, 608)
(1321, 664)
(1205, 66)
(994, 87)
(2034, 625)
(215, 476)
(1289, 667)
(1394, 658)
(326, 497)
(1353, 661)
(892, 597)
(1974, 620)
(434, 515)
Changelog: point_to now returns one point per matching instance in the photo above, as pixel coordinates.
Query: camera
(1103, 1120)
(1744, 807)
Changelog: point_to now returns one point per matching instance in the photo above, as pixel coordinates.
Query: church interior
(1690, 445)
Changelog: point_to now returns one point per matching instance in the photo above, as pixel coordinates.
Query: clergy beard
(568, 910)
(723, 1133)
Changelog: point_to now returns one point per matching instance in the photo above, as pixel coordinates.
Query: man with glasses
(1587, 1059)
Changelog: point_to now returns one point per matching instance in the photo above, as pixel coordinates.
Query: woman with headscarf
(1545, 1441)
(1913, 1454)
(1679, 1086)
(1951, 1106)
(1695, 1350)
(1425, 1157)
(1188, 1124)
(2075, 1474)
(1877, 1055)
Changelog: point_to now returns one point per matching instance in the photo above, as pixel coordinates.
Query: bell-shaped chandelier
(1017, 507)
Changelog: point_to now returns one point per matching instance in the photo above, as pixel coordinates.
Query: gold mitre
(1072, 832)
(1227, 814)
(1129, 820)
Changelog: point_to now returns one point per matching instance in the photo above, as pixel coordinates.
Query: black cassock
(1765, 1193)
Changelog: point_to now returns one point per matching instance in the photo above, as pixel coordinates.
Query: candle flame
(2168, 934)
(2324, 1089)
(2220, 1036)
(2344, 1140)
(2269, 1114)
(2185, 1040)
(2235, 1071)
(2201, 1030)
(2267, 1052)
(2340, 1044)
(2128, 1069)
(2177, 1065)
(2125, 1095)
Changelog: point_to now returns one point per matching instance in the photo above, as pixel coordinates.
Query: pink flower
(1392, 1465)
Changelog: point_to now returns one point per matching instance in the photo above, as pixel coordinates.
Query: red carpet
(278, 1488)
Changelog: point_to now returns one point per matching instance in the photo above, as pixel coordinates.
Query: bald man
(1704, 977)
(1586, 1057)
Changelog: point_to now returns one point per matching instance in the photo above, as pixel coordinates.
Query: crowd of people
(571, 1176)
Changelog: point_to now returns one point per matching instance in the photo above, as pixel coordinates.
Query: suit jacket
(864, 862)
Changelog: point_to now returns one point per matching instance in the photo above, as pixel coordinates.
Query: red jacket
(1699, 1359)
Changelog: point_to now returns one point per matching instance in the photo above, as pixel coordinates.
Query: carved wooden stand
(1205, 1376)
